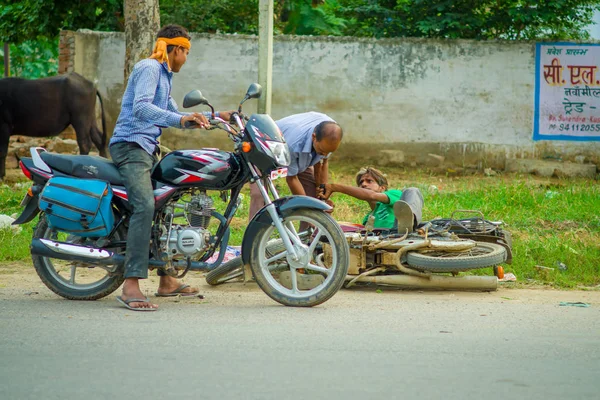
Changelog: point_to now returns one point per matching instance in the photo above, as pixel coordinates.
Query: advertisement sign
(567, 92)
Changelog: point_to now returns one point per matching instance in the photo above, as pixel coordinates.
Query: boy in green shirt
(387, 205)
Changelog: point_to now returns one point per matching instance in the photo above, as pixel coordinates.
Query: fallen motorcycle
(433, 255)
(79, 244)
(430, 257)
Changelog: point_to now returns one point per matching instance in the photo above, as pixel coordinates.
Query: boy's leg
(413, 197)
(409, 209)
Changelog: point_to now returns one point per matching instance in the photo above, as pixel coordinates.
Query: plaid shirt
(147, 106)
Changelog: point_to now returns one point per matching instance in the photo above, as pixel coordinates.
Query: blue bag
(78, 206)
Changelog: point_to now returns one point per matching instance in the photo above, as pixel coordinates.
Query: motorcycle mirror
(254, 91)
(194, 98)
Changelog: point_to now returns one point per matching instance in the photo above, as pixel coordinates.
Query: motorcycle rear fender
(31, 208)
(29, 213)
(284, 206)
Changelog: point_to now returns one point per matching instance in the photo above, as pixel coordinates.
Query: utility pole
(6, 60)
(265, 54)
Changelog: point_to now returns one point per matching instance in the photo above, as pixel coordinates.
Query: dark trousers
(135, 166)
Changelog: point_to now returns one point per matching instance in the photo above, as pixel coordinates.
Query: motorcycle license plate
(25, 200)
(278, 173)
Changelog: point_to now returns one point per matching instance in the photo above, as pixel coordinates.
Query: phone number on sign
(577, 127)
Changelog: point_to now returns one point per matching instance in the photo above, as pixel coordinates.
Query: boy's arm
(356, 192)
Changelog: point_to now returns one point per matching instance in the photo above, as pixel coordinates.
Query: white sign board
(567, 92)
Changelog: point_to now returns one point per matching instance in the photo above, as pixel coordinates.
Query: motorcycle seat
(86, 167)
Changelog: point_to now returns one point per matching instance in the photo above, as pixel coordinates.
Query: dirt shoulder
(19, 280)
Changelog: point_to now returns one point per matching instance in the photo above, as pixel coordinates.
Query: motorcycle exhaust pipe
(89, 255)
(72, 252)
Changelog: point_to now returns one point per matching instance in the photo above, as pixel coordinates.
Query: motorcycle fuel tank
(209, 169)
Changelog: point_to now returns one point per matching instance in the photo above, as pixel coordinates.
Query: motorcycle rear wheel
(74, 280)
(481, 256)
(323, 278)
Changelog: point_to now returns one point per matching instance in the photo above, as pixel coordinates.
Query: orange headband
(160, 48)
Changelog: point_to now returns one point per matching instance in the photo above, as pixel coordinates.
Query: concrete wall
(397, 99)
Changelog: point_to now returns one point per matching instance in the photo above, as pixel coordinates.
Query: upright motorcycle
(78, 246)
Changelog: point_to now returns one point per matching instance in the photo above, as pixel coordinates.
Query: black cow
(45, 107)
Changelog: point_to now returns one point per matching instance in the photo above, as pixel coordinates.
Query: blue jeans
(135, 166)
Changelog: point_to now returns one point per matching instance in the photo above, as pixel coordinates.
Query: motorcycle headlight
(280, 152)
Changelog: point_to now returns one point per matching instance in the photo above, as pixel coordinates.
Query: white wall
(467, 100)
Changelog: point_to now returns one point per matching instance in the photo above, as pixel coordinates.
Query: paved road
(238, 344)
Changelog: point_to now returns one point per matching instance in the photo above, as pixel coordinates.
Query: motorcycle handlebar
(190, 124)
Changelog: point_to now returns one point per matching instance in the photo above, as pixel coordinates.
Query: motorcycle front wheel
(481, 256)
(321, 265)
(74, 280)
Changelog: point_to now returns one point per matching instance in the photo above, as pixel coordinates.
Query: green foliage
(32, 59)
(301, 17)
(14, 245)
(469, 19)
(32, 28)
(225, 16)
(22, 20)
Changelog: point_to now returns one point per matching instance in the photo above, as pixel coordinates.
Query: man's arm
(144, 92)
(295, 185)
(321, 171)
(356, 192)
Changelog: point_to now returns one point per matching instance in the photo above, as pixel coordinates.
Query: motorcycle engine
(193, 239)
(186, 241)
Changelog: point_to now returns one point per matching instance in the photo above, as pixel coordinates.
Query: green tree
(300, 17)
(309, 17)
(469, 19)
(32, 28)
(22, 20)
(224, 16)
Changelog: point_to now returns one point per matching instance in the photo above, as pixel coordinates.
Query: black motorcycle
(78, 245)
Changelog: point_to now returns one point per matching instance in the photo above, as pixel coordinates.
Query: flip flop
(178, 292)
(126, 303)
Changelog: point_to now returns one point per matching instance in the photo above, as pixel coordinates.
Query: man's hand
(324, 191)
(225, 115)
(330, 204)
(196, 120)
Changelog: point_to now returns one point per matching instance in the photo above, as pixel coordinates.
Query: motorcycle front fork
(288, 233)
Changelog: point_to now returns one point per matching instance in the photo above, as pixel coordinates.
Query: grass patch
(554, 221)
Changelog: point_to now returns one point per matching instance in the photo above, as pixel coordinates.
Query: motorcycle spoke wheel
(321, 264)
(73, 280)
(481, 256)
